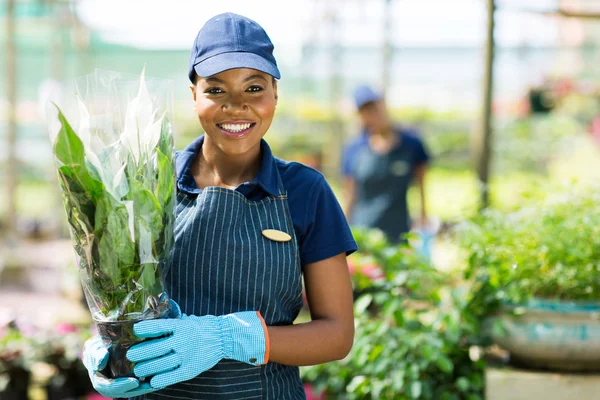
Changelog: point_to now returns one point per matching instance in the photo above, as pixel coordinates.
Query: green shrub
(412, 333)
(548, 250)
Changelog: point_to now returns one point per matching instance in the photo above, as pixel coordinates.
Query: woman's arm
(330, 334)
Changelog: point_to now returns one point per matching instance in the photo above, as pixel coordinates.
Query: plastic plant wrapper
(113, 148)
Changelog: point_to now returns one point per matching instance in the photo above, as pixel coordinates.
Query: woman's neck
(212, 167)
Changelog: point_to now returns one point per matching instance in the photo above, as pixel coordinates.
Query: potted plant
(113, 153)
(61, 350)
(536, 278)
(413, 333)
(15, 362)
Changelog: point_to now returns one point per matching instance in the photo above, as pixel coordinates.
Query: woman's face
(235, 108)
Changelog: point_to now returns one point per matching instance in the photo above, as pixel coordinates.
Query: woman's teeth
(235, 127)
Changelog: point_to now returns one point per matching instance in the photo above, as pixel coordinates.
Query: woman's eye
(213, 91)
(254, 88)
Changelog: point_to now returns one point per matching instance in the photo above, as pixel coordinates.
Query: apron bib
(222, 263)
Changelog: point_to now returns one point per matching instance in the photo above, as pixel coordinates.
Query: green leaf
(355, 384)
(69, 150)
(449, 396)
(444, 364)
(498, 329)
(463, 384)
(362, 303)
(415, 389)
(118, 228)
(148, 279)
(109, 260)
(166, 179)
(165, 144)
(147, 209)
(427, 352)
(376, 352)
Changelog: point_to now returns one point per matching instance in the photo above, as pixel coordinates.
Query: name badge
(399, 168)
(276, 236)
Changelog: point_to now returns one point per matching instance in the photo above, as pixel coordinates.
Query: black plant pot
(119, 337)
(70, 382)
(14, 394)
(60, 393)
(18, 384)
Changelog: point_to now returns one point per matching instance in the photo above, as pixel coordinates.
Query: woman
(249, 228)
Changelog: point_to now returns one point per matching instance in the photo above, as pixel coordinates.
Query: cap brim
(366, 100)
(226, 61)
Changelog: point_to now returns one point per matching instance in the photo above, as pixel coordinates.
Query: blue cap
(364, 94)
(230, 41)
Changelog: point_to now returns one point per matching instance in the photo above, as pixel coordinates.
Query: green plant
(60, 349)
(413, 332)
(119, 202)
(15, 360)
(547, 250)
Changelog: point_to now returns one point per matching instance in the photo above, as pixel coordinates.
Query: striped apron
(223, 264)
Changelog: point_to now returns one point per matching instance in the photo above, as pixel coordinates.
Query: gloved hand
(196, 344)
(95, 359)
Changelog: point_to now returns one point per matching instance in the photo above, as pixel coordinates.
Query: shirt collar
(266, 178)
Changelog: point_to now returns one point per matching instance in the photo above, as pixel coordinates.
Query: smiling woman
(249, 229)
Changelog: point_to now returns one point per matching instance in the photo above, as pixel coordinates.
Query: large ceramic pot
(549, 334)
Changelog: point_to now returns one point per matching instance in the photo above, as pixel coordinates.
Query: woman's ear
(275, 91)
(193, 89)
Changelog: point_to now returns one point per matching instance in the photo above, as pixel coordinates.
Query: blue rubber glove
(95, 358)
(196, 344)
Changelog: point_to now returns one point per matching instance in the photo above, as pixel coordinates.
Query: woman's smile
(236, 129)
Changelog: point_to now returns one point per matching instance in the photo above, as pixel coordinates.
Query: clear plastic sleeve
(113, 149)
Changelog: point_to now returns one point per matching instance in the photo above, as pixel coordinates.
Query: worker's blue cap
(229, 41)
(365, 94)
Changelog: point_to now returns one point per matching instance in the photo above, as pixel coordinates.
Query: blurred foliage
(15, 360)
(61, 349)
(22, 346)
(421, 333)
(550, 249)
(413, 333)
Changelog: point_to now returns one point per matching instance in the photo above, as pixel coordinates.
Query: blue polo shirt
(382, 182)
(320, 225)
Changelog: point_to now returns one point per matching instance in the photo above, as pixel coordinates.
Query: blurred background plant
(15, 362)
(413, 332)
(549, 249)
(60, 350)
(423, 334)
(42, 362)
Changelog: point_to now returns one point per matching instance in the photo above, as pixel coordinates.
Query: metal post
(387, 46)
(336, 138)
(58, 50)
(11, 137)
(483, 138)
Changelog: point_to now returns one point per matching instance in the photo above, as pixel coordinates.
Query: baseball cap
(365, 94)
(228, 41)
